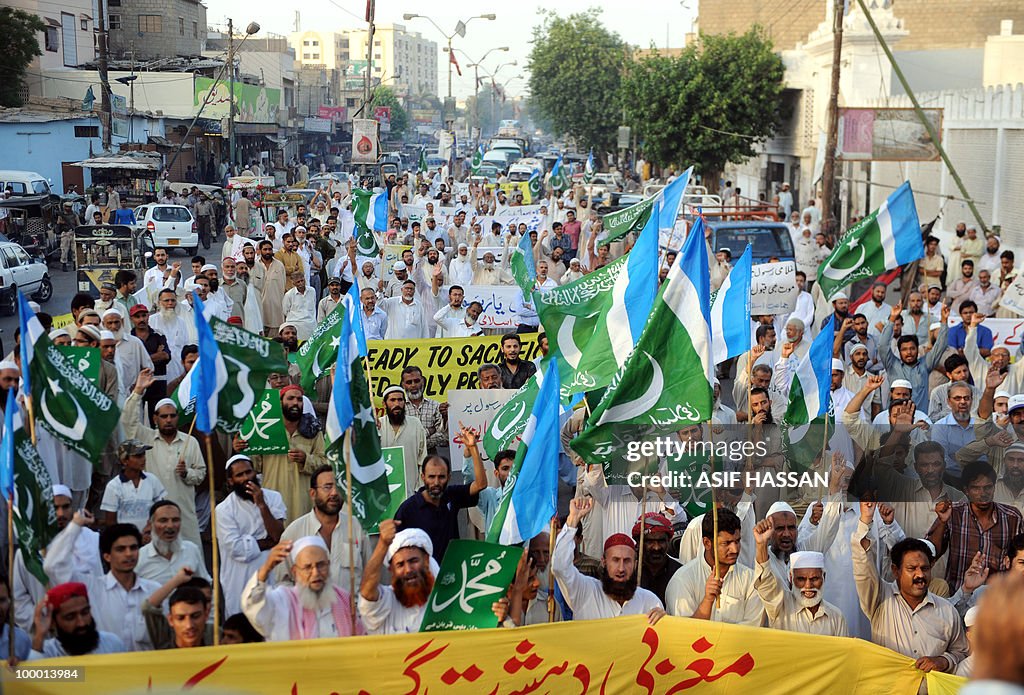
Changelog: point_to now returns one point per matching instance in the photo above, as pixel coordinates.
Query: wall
(1004, 60)
(983, 132)
(50, 144)
(928, 21)
(313, 48)
(51, 60)
(169, 92)
(182, 28)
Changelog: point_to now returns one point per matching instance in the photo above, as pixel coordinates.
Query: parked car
(24, 182)
(766, 239)
(517, 173)
(19, 271)
(172, 226)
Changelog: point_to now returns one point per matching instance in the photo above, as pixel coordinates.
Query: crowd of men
(923, 508)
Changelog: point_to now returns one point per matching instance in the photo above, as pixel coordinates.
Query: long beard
(166, 547)
(803, 600)
(413, 596)
(102, 306)
(415, 395)
(241, 492)
(77, 643)
(618, 591)
(168, 314)
(118, 335)
(316, 601)
(396, 418)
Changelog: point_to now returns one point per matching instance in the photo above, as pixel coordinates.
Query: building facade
(66, 42)
(147, 30)
(403, 60)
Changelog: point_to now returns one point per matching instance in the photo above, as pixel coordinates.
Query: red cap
(619, 539)
(291, 387)
(236, 320)
(63, 592)
(654, 522)
(137, 309)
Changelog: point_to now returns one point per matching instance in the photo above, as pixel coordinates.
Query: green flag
(478, 158)
(366, 242)
(423, 161)
(394, 463)
(371, 492)
(87, 359)
(536, 185)
(510, 420)
(317, 354)
(264, 428)
(68, 404)
(473, 575)
(632, 219)
(250, 360)
(523, 268)
(35, 521)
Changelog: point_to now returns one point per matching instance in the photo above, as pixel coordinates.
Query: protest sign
(394, 464)
(447, 363)
(498, 301)
(392, 254)
(1008, 332)
(474, 408)
(773, 289)
(511, 188)
(583, 656)
(1013, 296)
(264, 428)
(473, 575)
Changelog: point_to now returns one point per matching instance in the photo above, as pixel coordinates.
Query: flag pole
(351, 549)
(714, 505)
(31, 419)
(551, 575)
(215, 549)
(640, 550)
(10, 568)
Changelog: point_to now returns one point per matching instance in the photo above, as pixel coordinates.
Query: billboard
(334, 113)
(253, 103)
(364, 141)
(895, 135)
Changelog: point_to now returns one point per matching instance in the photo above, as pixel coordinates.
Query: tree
(383, 96)
(711, 105)
(21, 35)
(576, 68)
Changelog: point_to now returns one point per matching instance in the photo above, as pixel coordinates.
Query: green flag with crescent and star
(68, 404)
(35, 520)
(478, 158)
(264, 429)
(423, 160)
(317, 354)
(250, 359)
(86, 358)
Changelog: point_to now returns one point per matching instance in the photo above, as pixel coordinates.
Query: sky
(658, 22)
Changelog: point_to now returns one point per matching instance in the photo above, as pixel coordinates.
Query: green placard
(394, 463)
(473, 575)
(264, 428)
(85, 359)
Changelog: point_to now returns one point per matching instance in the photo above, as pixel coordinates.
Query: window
(195, 30)
(344, 43)
(376, 56)
(316, 56)
(87, 131)
(181, 26)
(344, 56)
(51, 39)
(85, 23)
(350, 103)
(315, 42)
(40, 187)
(305, 43)
(115, 21)
(151, 23)
(166, 213)
(11, 257)
(377, 42)
(305, 56)
(113, 3)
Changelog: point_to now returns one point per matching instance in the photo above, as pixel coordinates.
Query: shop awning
(149, 164)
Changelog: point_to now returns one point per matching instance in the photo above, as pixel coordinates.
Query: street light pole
(231, 95)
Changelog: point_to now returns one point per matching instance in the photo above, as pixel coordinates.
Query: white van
(24, 182)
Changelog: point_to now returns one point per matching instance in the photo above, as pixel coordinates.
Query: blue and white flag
(811, 388)
(212, 370)
(529, 498)
(634, 291)
(7, 448)
(589, 170)
(353, 306)
(340, 411)
(370, 209)
(31, 331)
(558, 181)
(730, 312)
(671, 199)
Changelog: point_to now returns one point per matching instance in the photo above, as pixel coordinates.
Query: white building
(402, 59)
(66, 42)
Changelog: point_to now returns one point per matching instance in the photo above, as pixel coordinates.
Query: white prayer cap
(1001, 393)
(61, 491)
(413, 538)
(574, 260)
(107, 335)
(806, 559)
(839, 295)
(392, 389)
(858, 346)
(164, 401)
(463, 246)
(717, 382)
(971, 616)
(8, 364)
(208, 266)
(837, 365)
(931, 546)
(286, 323)
(235, 459)
(901, 384)
(794, 321)
(306, 542)
(935, 326)
(111, 312)
(399, 265)
(779, 506)
(59, 332)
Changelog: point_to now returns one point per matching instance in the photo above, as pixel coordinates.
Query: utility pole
(828, 172)
(932, 133)
(231, 96)
(371, 8)
(106, 122)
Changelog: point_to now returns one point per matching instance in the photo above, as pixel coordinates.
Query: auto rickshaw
(102, 250)
(31, 221)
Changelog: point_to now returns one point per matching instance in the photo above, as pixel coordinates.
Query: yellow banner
(622, 655)
(447, 363)
(521, 186)
(63, 321)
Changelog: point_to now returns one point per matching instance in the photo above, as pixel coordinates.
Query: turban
(307, 542)
(619, 539)
(64, 592)
(413, 538)
(653, 523)
(1016, 446)
(806, 559)
(971, 616)
(208, 266)
(858, 346)
(107, 335)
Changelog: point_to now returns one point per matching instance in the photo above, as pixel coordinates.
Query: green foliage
(576, 67)
(383, 96)
(726, 82)
(21, 36)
